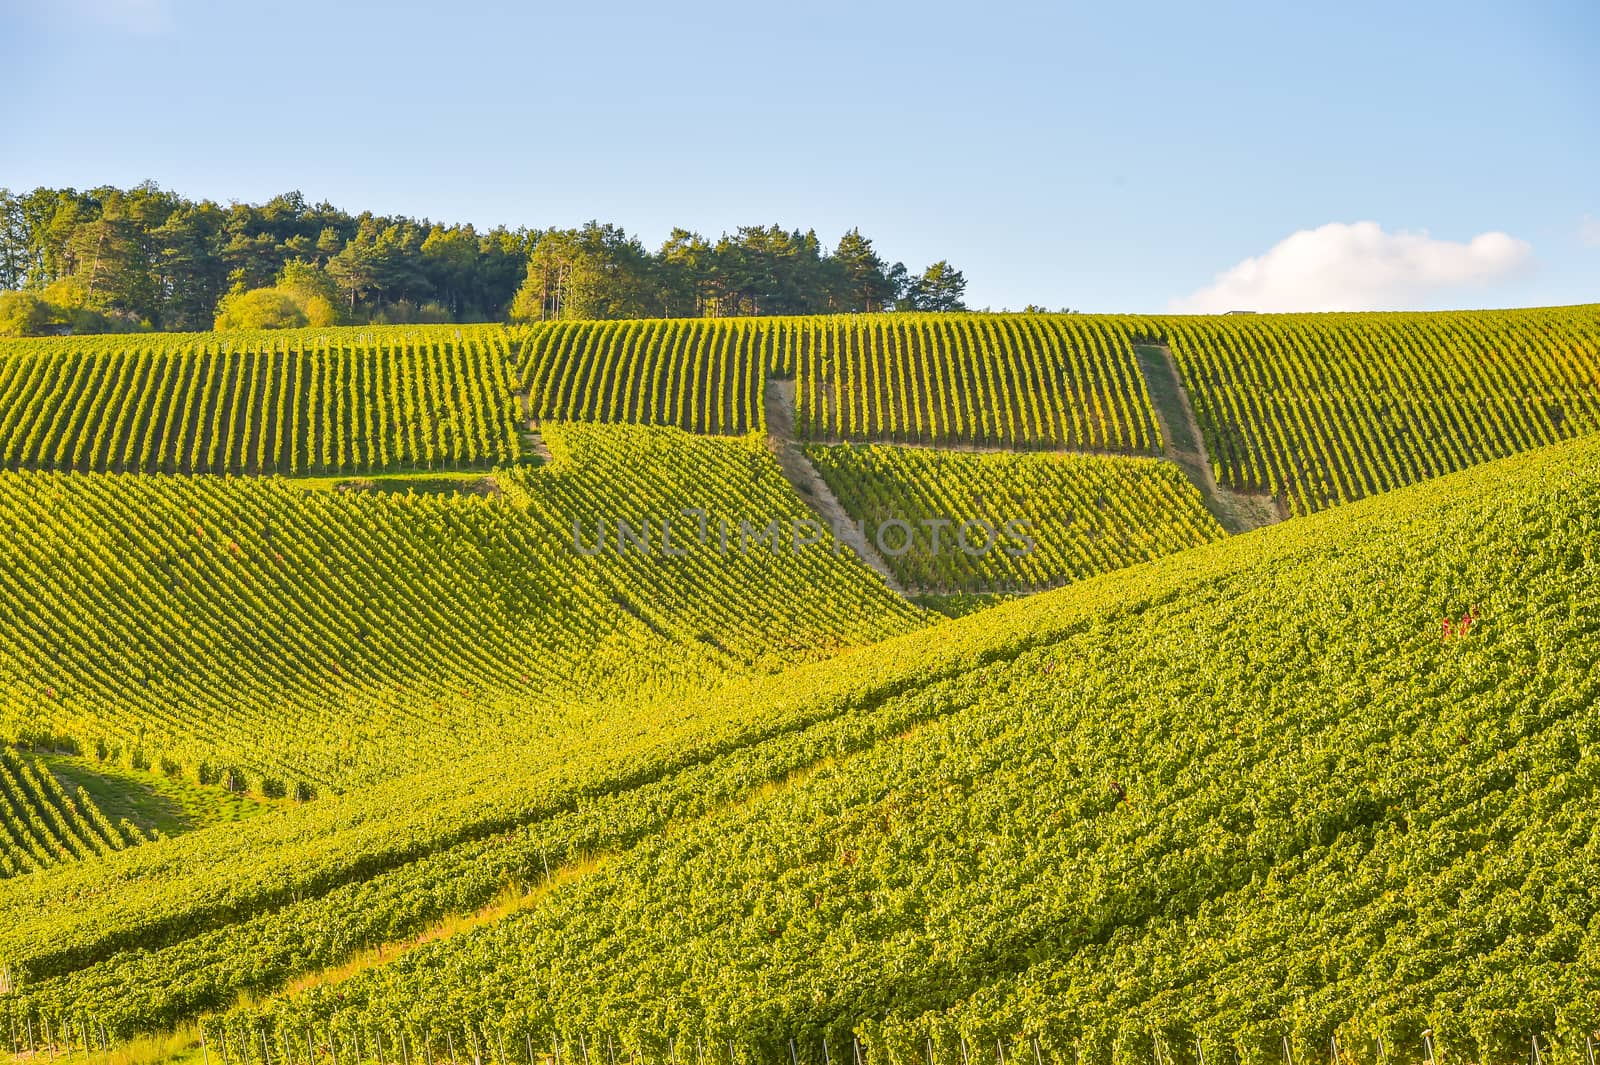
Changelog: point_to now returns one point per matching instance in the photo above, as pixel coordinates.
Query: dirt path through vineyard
(1183, 444)
(778, 400)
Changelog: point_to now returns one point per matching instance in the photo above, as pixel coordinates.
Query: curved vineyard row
(1107, 835)
(1007, 522)
(252, 629)
(704, 375)
(1023, 381)
(1323, 409)
(1011, 380)
(42, 824)
(326, 401)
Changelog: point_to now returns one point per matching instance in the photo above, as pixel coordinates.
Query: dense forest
(110, 259)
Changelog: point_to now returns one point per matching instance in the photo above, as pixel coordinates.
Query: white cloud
(1589, 231)
(1357, 267)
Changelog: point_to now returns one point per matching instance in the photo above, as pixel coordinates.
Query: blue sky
(1106, 157)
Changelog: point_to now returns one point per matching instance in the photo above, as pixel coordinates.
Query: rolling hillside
(1223, 796)
(1232, 806)
(613, 746)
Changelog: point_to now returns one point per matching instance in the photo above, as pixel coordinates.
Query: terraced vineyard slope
(258, 632)
(982, 523)
(42, 823)
(1322, 409)
(317, 401)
